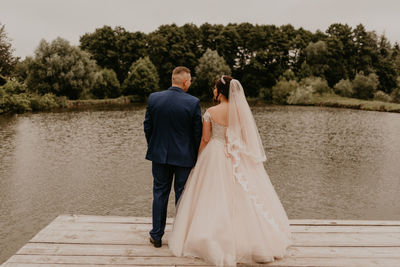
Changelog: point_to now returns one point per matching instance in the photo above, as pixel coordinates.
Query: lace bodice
(217, 130)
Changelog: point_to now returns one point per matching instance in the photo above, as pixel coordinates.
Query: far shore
(328, 100)
(317, 100)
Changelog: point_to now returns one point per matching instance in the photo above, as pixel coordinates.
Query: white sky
(29, 21)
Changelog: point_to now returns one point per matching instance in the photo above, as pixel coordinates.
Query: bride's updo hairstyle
(222, 85)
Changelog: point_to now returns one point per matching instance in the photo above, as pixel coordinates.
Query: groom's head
(181, 78)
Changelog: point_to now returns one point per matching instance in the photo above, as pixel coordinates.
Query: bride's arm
(206, 133)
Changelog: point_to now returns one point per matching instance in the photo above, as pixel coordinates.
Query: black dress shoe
(156, 243)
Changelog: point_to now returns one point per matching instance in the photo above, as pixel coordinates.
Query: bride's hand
(226, 152)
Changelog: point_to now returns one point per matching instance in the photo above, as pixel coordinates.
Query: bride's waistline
(218, 140)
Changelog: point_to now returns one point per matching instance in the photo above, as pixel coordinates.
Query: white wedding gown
(223, 220)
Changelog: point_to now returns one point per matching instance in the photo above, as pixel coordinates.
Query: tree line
(270, 61)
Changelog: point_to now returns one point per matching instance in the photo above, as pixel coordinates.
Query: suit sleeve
(148, 124)
(197, 126)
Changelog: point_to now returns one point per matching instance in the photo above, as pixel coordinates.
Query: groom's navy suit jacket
(173, 126)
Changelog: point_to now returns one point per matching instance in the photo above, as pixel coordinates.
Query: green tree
(115, 49)
(316, 57)
(170, 46)
(344, 88)
(341, 52)
(7, 60)
(61, 69)
(106, 85)
(142, 78)
(211, 66)
(283, 90)
(365, 86)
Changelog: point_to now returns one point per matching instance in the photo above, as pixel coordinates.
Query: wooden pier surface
(85, 240)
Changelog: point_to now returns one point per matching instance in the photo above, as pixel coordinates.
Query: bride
(229, 211)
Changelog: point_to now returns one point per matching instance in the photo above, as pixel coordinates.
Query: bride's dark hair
(223, 88)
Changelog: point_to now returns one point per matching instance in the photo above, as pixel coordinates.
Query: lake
(324, 163)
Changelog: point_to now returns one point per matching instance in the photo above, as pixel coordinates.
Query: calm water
(325, 163)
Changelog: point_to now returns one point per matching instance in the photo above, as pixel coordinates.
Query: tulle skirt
(221, 222)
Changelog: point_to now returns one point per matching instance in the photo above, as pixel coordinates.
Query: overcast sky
(29, 21)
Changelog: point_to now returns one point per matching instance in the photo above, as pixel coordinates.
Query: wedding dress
(229, 212)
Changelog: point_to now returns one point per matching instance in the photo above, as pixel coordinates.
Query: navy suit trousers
(163, 175)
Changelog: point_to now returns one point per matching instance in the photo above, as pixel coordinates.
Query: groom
(173, 128)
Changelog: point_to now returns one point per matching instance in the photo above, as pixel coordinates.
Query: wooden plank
(105, 219)
(299, 239)
(110, 227)
(145, 261)
(345, 229)
(93, 250)
(149, 251)
(49, 259)
(13, 264)
(344, 222)
(127, 227)
(125, 219)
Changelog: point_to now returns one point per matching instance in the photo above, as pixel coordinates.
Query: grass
(330, 100)
(123, 100)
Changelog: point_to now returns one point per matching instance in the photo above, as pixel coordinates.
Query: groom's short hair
(177, 71)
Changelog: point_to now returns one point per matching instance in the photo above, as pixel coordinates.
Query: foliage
(7, 60)
(47, 102)
(382, 96)
(395, 95)
(318, 85)
(256, 54)
(282, 90)
(106, 85)
(61, 69)
(18, 103)
(115, 49)
(302, 95)
(12, 86)
(142, 79)
(365, 86)
(211, 66)
(344, 88)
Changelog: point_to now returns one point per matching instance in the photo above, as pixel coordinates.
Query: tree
(211, 66)
(344, 88)
(61, 69)
(341, 52)
(7, 60)
(171, 46)
(316, 57)
(115, 49)
(365, 86)
(142, 78)
(106, 84)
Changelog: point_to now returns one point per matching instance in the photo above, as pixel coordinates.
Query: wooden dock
(83, 240)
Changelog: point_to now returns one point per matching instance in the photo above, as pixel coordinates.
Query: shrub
(46, 102)
(15, 103)
(282, 90)
(106, 84)
(318, 85)
(211, 67)
(12, 86)
(302, 95)
(395, 95)
(382, 96)
(265, 93)
(365, 86)
(142, 78)
(61, 69)
(344, 88)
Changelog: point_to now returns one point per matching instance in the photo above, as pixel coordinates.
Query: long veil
(245, 147)
(242, 130)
